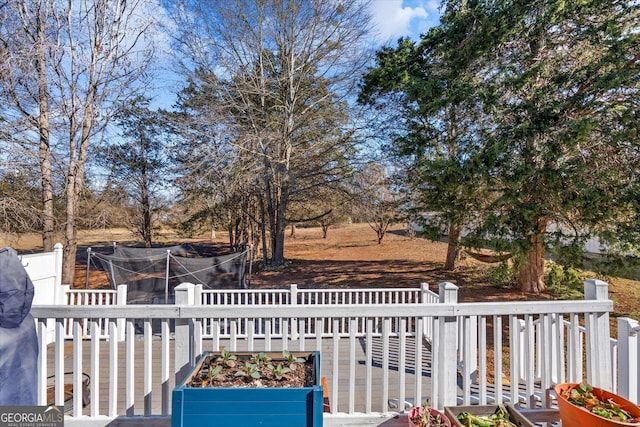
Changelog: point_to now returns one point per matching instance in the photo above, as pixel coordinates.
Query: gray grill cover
(18, 339)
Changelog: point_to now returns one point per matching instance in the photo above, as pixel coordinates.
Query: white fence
(45, 271)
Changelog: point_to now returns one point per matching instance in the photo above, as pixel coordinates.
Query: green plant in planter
(256, 396)
(228, 358)
(279, 371)
(214, 372)
(266, 368)
(291, 359)
(260, 359)
(250, 370)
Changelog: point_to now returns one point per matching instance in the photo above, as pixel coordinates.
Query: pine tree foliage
(565, 80)
(138, 162)
(432, 84)
(537, 105)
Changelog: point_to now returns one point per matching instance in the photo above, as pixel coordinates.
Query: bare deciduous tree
(282, 69)
(377, 201)
(24, 68)
(72, 61)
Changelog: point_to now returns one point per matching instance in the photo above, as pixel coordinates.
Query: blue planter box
(248, 407)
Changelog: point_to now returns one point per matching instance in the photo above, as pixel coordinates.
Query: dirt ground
(348, 258)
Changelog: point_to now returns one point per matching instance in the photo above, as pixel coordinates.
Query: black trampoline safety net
(151, 274)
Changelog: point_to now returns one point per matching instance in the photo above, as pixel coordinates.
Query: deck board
(138, 415)
(342, 374)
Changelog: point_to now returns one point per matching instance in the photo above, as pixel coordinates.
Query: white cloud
(397, 18)
(433, 6)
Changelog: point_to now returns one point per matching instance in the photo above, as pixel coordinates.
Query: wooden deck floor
(156, 406)
(154, 411)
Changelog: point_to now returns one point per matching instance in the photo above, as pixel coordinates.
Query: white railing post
(629, 359)
(424, 297)
(519, 326)
(166, 278)
(57, 250)
(63, 296)
(555, 348)
(121, 299)
(121, 294)
(59, 291)
(424, 292)
(599, 372)
(184, 354)
(197, 295)
(293, 295)
(63, 299)
(446, 351)
(198, 326)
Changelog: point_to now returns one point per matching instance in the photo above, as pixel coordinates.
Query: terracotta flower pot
(576, 416)
(416, 411)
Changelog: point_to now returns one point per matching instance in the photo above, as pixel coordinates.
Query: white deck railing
(134, 354)
(293, 295)
(238, 297)
(379, 355)
(274, 326)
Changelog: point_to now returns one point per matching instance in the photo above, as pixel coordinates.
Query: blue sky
(392, 19)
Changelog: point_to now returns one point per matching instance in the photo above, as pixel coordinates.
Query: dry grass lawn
(348, 257)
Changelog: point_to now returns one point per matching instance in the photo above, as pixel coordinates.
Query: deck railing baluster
(385, 345)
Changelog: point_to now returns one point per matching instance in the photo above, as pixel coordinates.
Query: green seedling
(227, 358)
(260, 359)
(292, 360)
(280, 371)
(250, 370)
(214, 371)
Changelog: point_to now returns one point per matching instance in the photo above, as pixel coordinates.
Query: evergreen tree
(565, 81)
(139, 163)
(432, 85)
(537, 105)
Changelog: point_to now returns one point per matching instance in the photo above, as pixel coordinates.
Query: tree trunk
(277, 194)
(381, 229)
(230, 230)
(263, 232)
(44, 150)
(44, 154)
(453, 247)
(70, 233)
(146, 211)
(277, 251)
(75, 183)
(531, 275)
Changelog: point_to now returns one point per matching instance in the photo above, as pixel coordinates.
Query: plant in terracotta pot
(500, 415)
(424, 416)
(583, 405)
